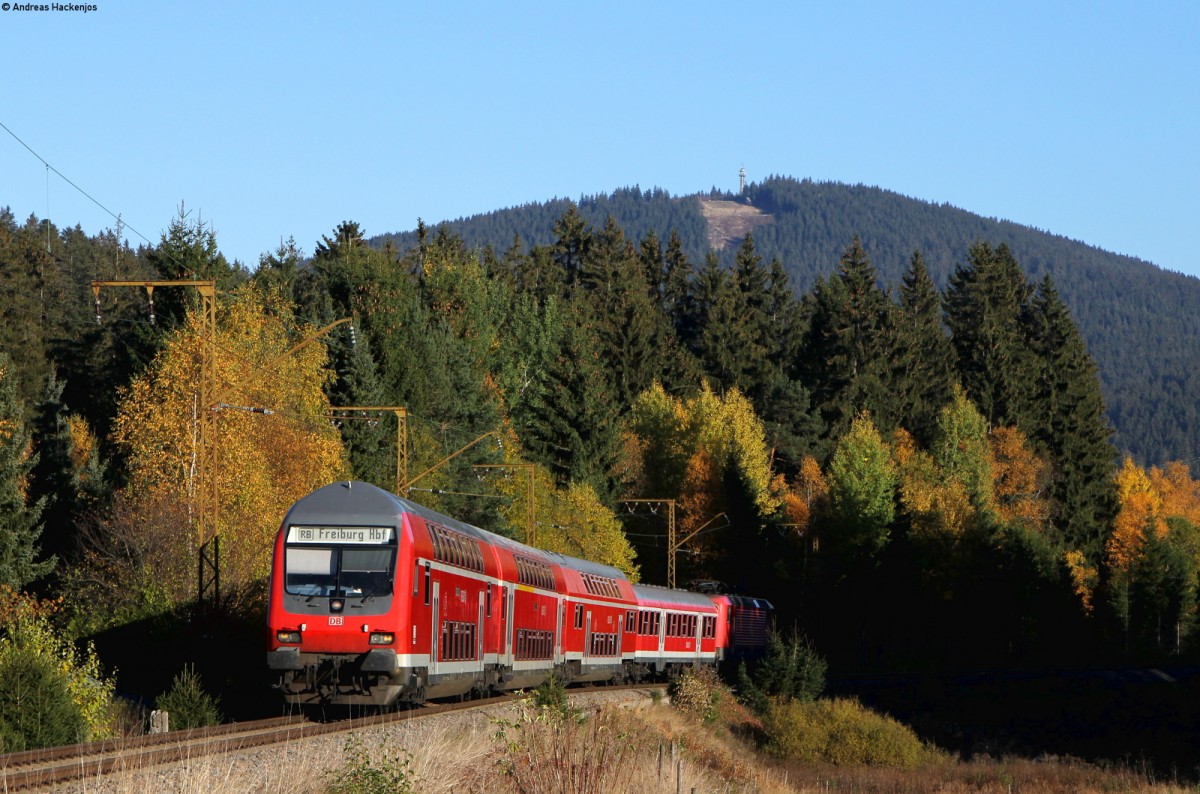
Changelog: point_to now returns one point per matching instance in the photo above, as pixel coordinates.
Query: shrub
(551, 697)
(36, 709)
(391, 774)
(791, 669)
(188, 705)
(29, 629)
(840, 731)
(697, 692)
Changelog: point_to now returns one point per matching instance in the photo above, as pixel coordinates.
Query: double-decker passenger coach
(377, 600)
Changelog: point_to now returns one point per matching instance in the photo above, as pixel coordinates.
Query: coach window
(367, 572)
(427, 588)
(310, 571)
(579, 616)
(339, 570)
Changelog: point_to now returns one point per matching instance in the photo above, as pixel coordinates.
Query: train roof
(666, 596)
(348, 503)
(352, 502)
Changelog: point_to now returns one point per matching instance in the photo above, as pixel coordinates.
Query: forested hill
(1141, 323)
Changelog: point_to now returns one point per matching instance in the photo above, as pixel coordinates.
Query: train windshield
(351, 569)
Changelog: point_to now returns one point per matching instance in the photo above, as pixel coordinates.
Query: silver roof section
(353, 503)
(671, 596)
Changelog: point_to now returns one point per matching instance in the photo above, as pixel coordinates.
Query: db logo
(336, 620)
(5, 6)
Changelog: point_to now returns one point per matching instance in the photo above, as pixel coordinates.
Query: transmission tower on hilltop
(742, 179)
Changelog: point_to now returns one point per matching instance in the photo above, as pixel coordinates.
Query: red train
(377, 600)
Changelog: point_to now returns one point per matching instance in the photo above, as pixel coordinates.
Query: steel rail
(54, 766)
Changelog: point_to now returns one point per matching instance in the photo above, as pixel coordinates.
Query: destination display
(348, 535)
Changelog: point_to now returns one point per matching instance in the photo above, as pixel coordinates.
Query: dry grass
(652, 748)
(977, 777)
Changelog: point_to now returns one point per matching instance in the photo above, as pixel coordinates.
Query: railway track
(52, 767)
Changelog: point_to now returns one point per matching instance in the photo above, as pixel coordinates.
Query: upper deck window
(455, 548)
(535, 573)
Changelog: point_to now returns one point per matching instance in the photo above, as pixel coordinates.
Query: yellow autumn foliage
(1179, 492)
(264, 462)
(724, 431)
(570, 520)
(1140, 510)
(939, 506)
(1020, 479)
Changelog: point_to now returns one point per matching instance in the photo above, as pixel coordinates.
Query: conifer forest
(905, 441)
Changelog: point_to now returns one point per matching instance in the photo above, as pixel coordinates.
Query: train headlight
(337, 604)
(288, 637)
(381, 638)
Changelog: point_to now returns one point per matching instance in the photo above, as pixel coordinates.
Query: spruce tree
(572, 418)
(277, 271)
(1069, 422)
(728, 343)
(650, 255)
(754, 285)
(924, 357)
(53, 480)
(848, 348)
(677, 298)
(572, 242)
(984, 305)
(370, 442)
(20, 520)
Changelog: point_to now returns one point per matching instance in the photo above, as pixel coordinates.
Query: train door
(662, 632)
(696, 635)
(436, 630)
(479, 628)
(620, 634)
(509, 600)
(587, 636)
(558, 630)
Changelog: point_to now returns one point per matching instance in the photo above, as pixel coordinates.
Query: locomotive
(377, 600)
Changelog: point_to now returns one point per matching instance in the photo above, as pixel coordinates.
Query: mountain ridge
(1141, 322)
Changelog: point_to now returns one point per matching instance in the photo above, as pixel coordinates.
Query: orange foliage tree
(569, 520)
(266, 462)
(1019, 480)
(1140, 512)
(691, 446)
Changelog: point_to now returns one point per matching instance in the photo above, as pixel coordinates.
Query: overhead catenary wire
(64, 178)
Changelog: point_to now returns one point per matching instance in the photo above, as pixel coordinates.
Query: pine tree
(20, 520)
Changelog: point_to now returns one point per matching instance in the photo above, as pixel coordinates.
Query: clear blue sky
(272, 120)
